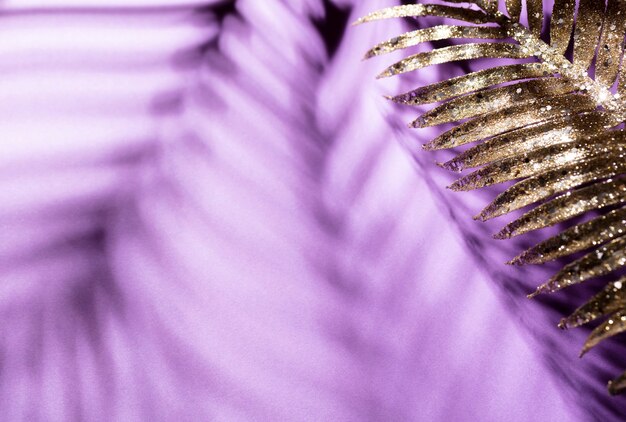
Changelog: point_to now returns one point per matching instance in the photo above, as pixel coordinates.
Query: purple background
(210, 213)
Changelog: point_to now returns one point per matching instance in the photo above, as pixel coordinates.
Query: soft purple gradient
(208, 217)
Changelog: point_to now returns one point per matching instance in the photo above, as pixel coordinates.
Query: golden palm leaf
(552, 124)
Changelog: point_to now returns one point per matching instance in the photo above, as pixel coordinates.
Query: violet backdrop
(210, 213)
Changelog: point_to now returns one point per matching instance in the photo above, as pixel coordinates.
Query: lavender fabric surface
(209, 213)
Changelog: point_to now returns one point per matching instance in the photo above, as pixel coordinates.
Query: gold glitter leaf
(611, 299)
(456, 53)
(515, 116)
(576, 239)
(418, 10)
(535, 16)
(611, 42)
(561, 24)
(539, 135)
(495, 99)
(543, 186)
(604, 260)
(618, 385)
(549, 124)
(570, 205)
(514, 8)
(614, 325)
(436, 33)
(472, 82)
(587, 31)
(533, 163)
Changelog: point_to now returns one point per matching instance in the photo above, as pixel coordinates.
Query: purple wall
(210, 213)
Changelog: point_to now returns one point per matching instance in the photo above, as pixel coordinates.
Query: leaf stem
(558, 63)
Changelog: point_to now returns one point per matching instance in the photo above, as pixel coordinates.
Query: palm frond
(551, 125)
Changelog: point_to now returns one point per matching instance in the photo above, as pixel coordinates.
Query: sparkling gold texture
(572, 204)
(476, 81)
(561, 24)
(549, 125)
(576, 238)
(535, 163)
(417, 10)
(526, 139)
(615, 324)
(611, 44)
(543, 186)
(604, 260)
(587, 31)
(514, 8)
(436, 33)
(611, 299)
(455, 53)
(516, 115)
(535, 16)
(483, 102)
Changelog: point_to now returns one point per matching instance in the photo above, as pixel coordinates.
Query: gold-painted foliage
(548, 124)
